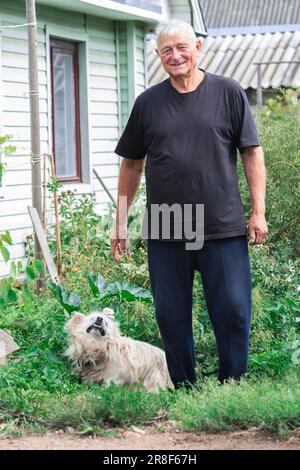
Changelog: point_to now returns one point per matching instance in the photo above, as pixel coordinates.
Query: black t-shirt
(191, 141)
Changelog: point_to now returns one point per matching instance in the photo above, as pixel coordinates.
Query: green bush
(279, 129)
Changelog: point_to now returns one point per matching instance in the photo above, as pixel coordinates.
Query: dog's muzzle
(97, 326)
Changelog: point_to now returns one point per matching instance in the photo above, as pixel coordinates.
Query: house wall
(181, 10)
(108, 84)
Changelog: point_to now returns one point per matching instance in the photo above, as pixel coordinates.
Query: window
(65, 110)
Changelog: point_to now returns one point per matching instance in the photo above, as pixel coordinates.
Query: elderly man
(190, 127)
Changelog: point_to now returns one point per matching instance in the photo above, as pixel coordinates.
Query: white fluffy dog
(101, 355)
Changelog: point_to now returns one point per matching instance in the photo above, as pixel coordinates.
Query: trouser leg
(171, 276)
(226, 278)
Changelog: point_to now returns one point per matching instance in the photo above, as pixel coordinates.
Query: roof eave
(105, 8)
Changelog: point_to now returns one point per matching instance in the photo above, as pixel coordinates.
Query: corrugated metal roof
(233, 56)
(234, 13)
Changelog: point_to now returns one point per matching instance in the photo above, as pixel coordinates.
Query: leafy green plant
(54, 184)
(101, 290)
(70, 301)
(125, 291)
(12, 289)
(279, 129)
(77, 218)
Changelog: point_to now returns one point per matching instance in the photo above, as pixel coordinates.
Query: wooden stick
(36, 222)
(104, 187)
(19, 415)
(57, 225)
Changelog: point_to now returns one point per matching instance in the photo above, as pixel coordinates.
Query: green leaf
(5, 253)
(9, 149)
(19, 266)
(69, 300)
(97, 283)
(13, 269)
(132, 293)
(12, 296)
(3, 289)
(7, 238)
(30, 274)
(38, 266)
(27, 292)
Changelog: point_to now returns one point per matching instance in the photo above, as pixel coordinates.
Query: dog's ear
(74, 321)
(77, 318)
(109, 312)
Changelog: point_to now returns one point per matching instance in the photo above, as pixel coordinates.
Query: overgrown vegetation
(38, 389)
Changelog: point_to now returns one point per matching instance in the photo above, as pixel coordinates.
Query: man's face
(178, 54)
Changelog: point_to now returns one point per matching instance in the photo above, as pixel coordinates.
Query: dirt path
(153, 439)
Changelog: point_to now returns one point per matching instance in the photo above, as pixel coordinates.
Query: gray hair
(171, 27)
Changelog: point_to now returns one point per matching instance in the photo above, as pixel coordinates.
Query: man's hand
(129, 181)
(118, 244)
(255, 172)
(258, 228)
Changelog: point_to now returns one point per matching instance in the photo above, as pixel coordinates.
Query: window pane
(64, 114)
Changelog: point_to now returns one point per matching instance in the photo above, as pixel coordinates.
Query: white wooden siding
(15, 120)
(181, 10)
(123, 73)
(103, 106)
(140, 57)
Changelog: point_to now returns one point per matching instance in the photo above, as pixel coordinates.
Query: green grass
(271, 405)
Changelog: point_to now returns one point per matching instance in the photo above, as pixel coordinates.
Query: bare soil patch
(151, 438)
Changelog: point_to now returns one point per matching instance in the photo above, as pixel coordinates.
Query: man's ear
(109, 312)
(198, 44)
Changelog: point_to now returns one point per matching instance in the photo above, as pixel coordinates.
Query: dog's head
(96, 325)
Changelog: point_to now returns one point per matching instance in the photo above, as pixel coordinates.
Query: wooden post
(57, 225)
(44, 220)
(36, 179)
(259, 98)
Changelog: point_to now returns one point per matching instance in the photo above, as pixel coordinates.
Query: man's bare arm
(129, 182)
(255, 172)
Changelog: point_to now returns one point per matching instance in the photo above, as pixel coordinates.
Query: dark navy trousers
(225, 273)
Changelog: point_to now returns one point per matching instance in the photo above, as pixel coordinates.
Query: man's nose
(176, 53)
(98, 321)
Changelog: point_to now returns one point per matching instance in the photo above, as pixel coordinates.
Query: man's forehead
(171, 40)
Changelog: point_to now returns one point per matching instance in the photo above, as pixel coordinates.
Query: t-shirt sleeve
(131, 143)
(244, 129)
